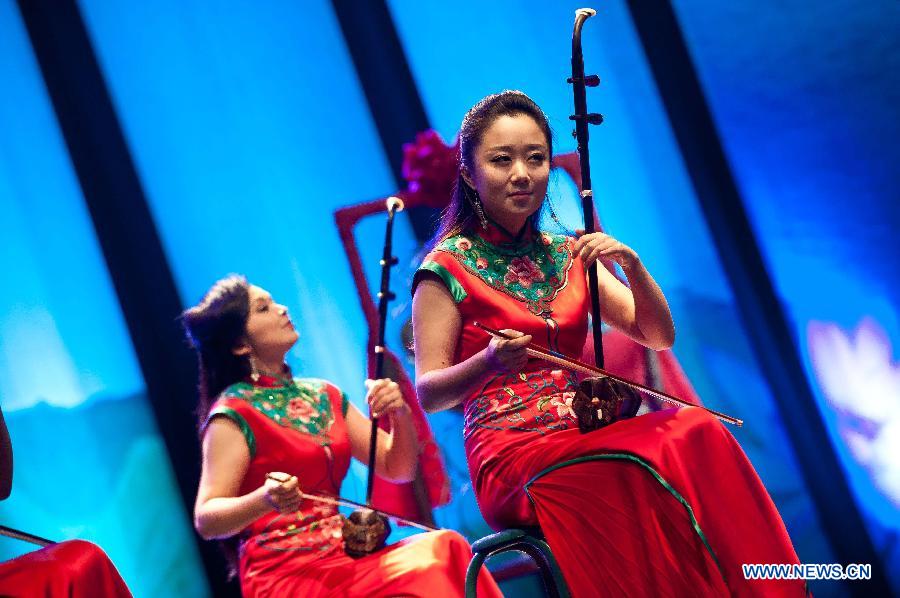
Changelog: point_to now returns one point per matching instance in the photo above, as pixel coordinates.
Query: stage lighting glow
(861, 383)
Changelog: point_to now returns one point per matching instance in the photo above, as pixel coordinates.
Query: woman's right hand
(283, 497)
(508, 355)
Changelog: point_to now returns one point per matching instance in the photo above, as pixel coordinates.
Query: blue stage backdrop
(806, 105)
(643, 193)
(248, 129)
(89, 461)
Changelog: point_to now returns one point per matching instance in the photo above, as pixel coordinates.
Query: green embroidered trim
(345, 404)
(456, 289)
(532, 272)
(653, 472)
(239, 420)
(302, 404)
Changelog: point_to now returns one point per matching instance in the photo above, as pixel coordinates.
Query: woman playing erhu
(662, 504)
(267, 436)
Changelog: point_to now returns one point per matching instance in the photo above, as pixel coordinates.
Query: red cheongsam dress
(298, 427)
(664, 504)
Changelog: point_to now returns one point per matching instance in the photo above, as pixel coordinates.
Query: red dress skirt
(71, 569)
(298, 427)
(664, 504)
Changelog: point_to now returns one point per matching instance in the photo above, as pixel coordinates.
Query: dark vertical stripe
(762, 314)
(398, 113)
(389, 87)
(127, 236)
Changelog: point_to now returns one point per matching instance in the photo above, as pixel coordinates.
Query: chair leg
(472, 574)
(537, 549)
(551, 575)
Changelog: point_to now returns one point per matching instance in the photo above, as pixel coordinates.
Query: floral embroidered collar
(532, 269)
(298, 403)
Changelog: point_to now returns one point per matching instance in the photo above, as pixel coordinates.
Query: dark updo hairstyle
(214, 327)
(459, 215)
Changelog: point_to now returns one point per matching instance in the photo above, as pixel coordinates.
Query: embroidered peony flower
(331, 528)
(463, 244)
(481, 263)
(301, 410)
(524, 271)
(563, 404)
(546, 239)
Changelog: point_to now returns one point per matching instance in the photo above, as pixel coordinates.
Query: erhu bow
(538, 352)
(331, 500)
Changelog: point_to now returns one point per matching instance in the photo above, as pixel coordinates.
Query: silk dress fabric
(298, 426)
(663, 504)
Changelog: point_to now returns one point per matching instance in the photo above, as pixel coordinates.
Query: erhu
(366, 529)
(603, 398)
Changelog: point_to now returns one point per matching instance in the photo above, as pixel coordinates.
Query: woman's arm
(219, 511)
(437, 324)
(641, 311)
(397, 452)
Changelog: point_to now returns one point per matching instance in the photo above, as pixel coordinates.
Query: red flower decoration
(430, 168)
(481, 263)
(524, 271)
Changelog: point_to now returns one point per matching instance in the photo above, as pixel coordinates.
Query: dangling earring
(254, 371)
(553, 212)
(562, 227)
(476, 204)
(480, 211)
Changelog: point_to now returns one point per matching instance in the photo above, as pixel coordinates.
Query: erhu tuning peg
(592, 118)
(589, 80)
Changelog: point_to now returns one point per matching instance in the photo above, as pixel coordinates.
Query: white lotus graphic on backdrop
(862, 384)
